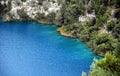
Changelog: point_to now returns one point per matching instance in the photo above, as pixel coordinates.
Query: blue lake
(32, 49)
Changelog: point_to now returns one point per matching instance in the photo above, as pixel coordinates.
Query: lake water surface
(32, 49)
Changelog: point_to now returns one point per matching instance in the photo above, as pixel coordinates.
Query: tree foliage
(108, 66)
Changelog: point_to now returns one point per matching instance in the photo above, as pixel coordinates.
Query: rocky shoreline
(62, 32)
(44, 21)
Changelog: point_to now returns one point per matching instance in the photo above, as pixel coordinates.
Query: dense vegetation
(108, 66)
(101, 34)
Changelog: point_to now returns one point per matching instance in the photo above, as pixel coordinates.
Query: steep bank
(32, 10)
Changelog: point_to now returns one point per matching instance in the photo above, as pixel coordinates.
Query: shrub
(108, 66)
(110, 25)
(84, 35)
(23, 15)
(40, 16)
(117, 28)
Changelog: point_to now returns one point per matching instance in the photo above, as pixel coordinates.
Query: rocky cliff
(29, 9)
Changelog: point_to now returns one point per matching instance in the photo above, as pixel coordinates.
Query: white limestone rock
(32, 7)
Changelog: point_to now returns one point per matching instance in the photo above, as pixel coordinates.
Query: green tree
(108, 66)
(117, 50)
(110, 25)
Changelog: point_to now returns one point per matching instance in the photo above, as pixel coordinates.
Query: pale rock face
(14, 13)
(16, 3)
(91, 16)
(83, 19)
(113, 13)
(2, 2)
(54, 8)
(32, 7)
(87, 17)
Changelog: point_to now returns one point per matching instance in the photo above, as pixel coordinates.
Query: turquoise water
(32, 49)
